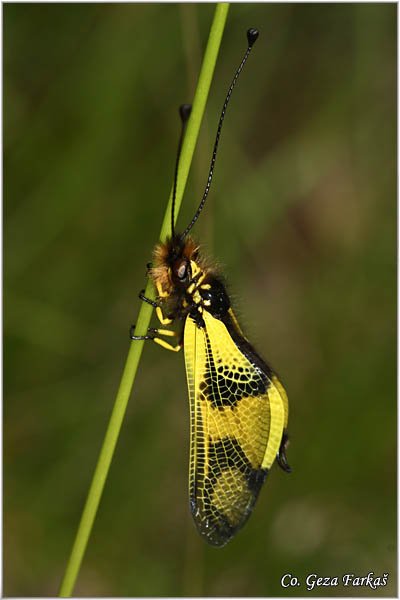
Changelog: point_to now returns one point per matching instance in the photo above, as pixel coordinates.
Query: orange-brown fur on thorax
(164, 255)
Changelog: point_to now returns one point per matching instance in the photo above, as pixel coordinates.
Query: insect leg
(160, 291)
(167, 345)
(157, 340)
(163, 320)
(145, 299)
(163, 343)
(167, 332)
(141, 337)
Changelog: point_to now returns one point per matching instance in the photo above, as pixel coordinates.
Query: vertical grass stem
(135, 351)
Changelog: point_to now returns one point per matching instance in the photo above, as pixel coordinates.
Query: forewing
(237, 416)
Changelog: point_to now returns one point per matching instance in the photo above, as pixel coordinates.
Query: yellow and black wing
(238, 411)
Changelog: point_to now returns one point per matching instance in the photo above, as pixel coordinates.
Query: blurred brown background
(302, 214)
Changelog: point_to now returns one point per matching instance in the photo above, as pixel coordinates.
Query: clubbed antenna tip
(252, 35)
(184, 112)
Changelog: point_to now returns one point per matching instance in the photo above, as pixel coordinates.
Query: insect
(238, 407)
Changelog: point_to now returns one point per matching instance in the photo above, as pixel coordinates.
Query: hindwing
(238, 410)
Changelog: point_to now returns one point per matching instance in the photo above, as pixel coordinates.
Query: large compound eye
(181, 269)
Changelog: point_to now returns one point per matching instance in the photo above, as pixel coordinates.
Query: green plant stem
(143, 321)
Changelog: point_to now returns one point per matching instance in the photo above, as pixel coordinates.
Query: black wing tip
(216, 536)
(219, 532)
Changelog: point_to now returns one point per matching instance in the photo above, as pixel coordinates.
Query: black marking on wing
(225, 483)
(211, 521)
(246, 348)
(219, 308)
(255, 480)
(226, 385)
(227, 452)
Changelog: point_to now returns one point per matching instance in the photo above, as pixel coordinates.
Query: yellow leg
(163, 343)
(167, 332)
(160, 291)
(166, 345)
(163, 320)
(150, 336)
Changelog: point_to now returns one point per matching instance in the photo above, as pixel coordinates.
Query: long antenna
(252, 35)
(184, 113)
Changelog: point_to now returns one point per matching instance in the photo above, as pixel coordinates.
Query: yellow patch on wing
(237, 420)
(284, 397)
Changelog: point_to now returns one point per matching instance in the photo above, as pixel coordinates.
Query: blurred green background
(302, 213)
